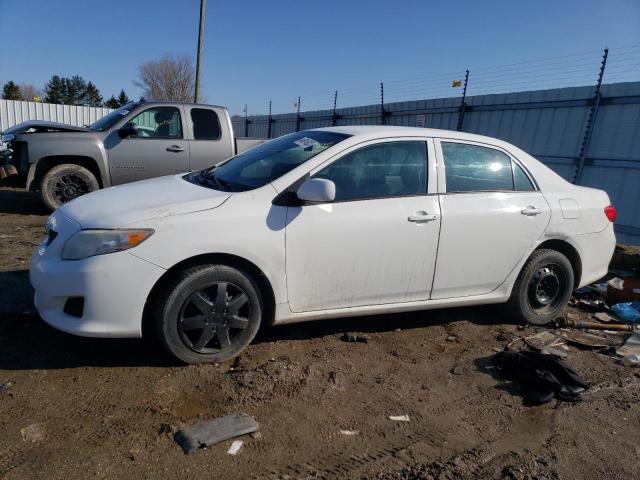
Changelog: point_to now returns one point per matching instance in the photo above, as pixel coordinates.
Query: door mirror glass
(129, 129)
(317, 190)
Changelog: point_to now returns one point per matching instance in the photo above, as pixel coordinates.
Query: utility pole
(196, 97)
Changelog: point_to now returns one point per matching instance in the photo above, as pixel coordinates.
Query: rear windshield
(267, 162)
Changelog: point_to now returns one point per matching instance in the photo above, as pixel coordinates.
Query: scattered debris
(354, 337)
(457, 370)
(207, 433)
(256, 435)
(623, 290)
(349, 433)
(542, 377)
(631, 360)
(586, 299)
(235, 447)
(452, 338)
(4, 386)
(567, 322)
(605, 317)
(628, 312)
(33, 433)
(399, 418)
(543, 339)
(631, 346)
(589, 340)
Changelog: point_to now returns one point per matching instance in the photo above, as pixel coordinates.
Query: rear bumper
(596, 250)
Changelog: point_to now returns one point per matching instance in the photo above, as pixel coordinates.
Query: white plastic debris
(399, 418)
(349, 433)
(235, 447)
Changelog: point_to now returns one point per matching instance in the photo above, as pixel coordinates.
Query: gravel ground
(78, 408)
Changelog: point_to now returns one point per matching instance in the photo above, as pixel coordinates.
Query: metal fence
(13, 112)
(588, 137)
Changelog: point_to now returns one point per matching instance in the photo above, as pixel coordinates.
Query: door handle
(422, 217)
(175, 148)
(531, 211)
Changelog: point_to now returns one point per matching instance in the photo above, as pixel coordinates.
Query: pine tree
(75, 92)
(123, 99)
(54, 90)
(112, 102)
(92, 96)
(11, 91)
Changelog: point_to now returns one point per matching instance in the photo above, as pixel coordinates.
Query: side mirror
(129, 129)
(317, 190)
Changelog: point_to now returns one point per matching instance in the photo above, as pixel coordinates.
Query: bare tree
(171, 77)
(30, 92)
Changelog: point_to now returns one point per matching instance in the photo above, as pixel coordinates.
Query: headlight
(88, 243)
(6, 138)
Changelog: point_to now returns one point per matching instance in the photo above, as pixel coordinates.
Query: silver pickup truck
(137, 141)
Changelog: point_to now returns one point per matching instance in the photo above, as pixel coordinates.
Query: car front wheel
(543, 288)
(208, 313)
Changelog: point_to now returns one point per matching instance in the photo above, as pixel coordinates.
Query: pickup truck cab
(137, 141)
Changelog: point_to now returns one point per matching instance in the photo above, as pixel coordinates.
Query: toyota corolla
(325, 223)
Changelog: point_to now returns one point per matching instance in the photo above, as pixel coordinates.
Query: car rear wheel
(543, 288)
(208, 313)
(65, 182)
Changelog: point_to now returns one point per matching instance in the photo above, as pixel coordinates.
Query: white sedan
(324, 223)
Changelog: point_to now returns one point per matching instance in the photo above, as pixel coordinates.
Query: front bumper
(114, 288)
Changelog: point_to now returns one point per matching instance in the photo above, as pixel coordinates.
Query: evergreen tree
(112, 102)
(92, 96)
(54, 90)
(123, 99)
(11, 91)
(75, 92)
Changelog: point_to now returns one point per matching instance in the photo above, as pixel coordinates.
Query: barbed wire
(576, 69)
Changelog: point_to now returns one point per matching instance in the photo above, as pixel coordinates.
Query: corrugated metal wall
(14, 112)
(549, 124)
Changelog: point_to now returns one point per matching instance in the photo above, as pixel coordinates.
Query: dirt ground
(76, 408)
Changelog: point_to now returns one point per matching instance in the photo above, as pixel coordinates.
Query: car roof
(373, 131)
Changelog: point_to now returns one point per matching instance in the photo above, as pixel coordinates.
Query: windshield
(267, 162)
(106, 122)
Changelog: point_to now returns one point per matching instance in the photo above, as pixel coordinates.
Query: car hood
(43, 126)
(155, 198)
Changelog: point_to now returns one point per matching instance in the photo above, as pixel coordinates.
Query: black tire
(65, 182)
(543, 288)
(191, 308)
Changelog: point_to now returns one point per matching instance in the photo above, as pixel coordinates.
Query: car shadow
(20, 201)
(27, 342)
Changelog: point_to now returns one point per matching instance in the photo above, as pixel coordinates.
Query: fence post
(383, 113)
(334, 115)
(591, 121)
(269, 121)
(463, 104)
(246, 121)
(298, 115)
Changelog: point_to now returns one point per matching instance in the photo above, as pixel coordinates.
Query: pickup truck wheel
(208, 313)
(65, 182)
(543, 288)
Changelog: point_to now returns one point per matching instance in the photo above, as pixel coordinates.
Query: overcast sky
(260, 50)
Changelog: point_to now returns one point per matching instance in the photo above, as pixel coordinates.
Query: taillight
(610, 212)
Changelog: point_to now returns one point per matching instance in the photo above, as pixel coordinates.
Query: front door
(158, 149)
(492, 216)
(376, 243)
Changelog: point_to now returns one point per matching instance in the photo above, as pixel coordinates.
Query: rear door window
(206, 124)
(471, 168)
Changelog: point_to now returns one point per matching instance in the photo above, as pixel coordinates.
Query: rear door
(492, 216)
(158, 149)
(210, 143)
